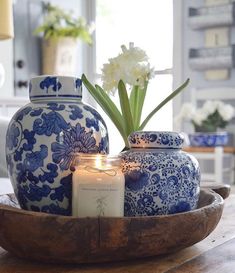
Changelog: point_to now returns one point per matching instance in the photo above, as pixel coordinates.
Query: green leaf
(137, 98)
(108, 106)
(171, 96)
(125, 106)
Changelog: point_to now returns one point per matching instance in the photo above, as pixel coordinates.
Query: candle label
(100, 199)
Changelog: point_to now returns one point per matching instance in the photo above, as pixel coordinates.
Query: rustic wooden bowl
(61, 239)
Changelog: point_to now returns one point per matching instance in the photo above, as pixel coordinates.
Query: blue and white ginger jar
(43, 139)
(159, 177)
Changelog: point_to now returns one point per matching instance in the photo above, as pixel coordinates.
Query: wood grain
(224, 232)
(60, 239)
(219, 259)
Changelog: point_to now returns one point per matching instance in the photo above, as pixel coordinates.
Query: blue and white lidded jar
(43, 139)
(159, 177)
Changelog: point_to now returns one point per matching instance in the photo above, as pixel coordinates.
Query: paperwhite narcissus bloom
(131, 66)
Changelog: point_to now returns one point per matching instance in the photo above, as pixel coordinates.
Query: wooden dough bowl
(59, 239)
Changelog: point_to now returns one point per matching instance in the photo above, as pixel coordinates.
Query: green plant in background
(129, 70)
(59, 23)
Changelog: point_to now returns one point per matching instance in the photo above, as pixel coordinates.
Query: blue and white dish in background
(43, 139)
(159, 177)
(209, 139)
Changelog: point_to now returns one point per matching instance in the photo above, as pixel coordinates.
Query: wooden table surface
(214, 254)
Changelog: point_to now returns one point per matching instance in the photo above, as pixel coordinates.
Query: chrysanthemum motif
(74, 141)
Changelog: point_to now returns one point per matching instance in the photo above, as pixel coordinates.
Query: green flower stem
(137, 98)
(170, 97)
(108, 106)
(125, 106)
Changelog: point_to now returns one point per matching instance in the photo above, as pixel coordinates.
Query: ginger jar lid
(46, 87)
(156, 139)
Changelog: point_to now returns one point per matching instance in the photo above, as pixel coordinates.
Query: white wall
(6, 58)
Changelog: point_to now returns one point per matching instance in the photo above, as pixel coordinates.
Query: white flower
(226, 111)
(209, 107)
(131, 66)
(199, 116)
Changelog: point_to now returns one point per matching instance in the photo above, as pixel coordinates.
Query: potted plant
(128, 74)
(207, 121)
(152, 162)
(61, 32)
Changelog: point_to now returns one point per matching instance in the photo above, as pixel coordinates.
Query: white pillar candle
(98, 188)
(6, 19)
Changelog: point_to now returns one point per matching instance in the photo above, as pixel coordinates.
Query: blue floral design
(152, 168)
(33, 160)
(29, 137)
(18, 154)
(149, 137)
(104, 145)
(136, 180)
(165, 139)
(92, 123)
(36, 112)
(179, 141)
(51, 175)
(76, 112)
(145, 205)
(55, 106)
(163, 194)
(186, 171)
(181, 206)
(156, 139)
(25, 175)
(12, 136)
(38, 181)
(32, 192)
(56, 209)
(49, 123)
(170, 179)
(155, 178)
(146, 200)
(21, 113)
(93, 111)
(76, 140)
(50, 82)
(63, 191)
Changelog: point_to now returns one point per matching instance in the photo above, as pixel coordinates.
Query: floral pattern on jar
(159, 177)
(43, 139)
